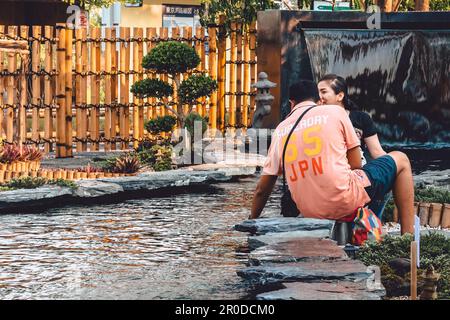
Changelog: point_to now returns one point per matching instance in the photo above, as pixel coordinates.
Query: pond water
(174, 246)
(171, 247)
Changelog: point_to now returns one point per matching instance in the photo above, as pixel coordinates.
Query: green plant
(163, 165)
(190, 123)
(26, 183)
(63, 183)
(127, 163)
(161, 124)
(174, 58)
(434, 250)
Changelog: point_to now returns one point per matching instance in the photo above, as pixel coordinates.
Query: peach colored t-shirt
(317, 170)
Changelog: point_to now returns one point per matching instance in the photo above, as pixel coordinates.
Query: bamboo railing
(68, 90)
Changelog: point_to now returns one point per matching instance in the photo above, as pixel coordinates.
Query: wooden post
(69, 93)
(2, 87)
(36, 82)
(239, 75)
(187, 33)
(108, 89)
(11, 90)
(246, 98)
(253, 70)
(164, 35)
(48, 90)
(95, 89)
(78, 86)
(24, 32)
(176, 35)
(60, 93)
(151, 34)
(124, 87)
(138, 111)
(212, 66)
(114, 89)
(413, 270)
(222, 47)
(200, 48)
(422, 5)
(232, 82)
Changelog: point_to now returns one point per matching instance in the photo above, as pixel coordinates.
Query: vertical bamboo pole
(83, 121)
(36, 82)
(48, 90)
(124, 87)
(246, 98)
(2, 67)
(164, 35)
(11, 90)
(69, 93)
(114, 84)
(232, 83)
(239, 74)
(78, 85)
(253, 71)
(95, 89)
(108, 89)
(413, 270)
(212, 68)
(187, 34)
(60, 92)
(175, 36)
(151, 34)
(138, 111)
(22, 125)
(222, 47)
(200, 48)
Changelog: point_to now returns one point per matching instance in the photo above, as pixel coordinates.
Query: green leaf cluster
(190, 122)
(195, 87)
(155, 88)
(160, 124)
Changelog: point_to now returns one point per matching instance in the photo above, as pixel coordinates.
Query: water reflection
(178, 247)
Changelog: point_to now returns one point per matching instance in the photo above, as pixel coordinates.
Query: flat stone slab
(338, 290)
(44, 192)
(282, 224)
(271, 238)
(303, 249)
(308, 271)
(95, 188)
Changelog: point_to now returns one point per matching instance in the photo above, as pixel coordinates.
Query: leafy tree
(98, 3)
(174, 58)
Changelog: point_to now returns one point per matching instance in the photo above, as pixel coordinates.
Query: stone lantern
(263, 99)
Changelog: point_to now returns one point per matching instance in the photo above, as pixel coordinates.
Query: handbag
(288, 206)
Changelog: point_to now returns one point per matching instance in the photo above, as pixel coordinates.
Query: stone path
(297, 253)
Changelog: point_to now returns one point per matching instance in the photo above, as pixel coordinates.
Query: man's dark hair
(304, 90)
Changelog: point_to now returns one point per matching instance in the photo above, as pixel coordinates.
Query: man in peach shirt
(323, 164)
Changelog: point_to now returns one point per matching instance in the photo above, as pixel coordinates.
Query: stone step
(282, 224)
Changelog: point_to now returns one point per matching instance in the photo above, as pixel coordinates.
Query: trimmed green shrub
(171, 57)
(152, 88)
(26, 183)
(195, 87)
(190, 122)
(161, 124)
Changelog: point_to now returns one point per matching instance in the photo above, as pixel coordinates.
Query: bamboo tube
(22, 125)
(2, 176)
(48, 90)
(108, 89)
(92, 175)
(222, 47)
(138, 111)
(246, 98)
(63, 174)
(178, 78)
(200, 49)
(164, 35)
(78, 89)
(33, 174)
(212, 66)
(253, 70)
(114, 82)
(232, 80)
(77, 175)
(2, 88)
(36, 81)
(239, 120)
(395, 214)
(445, 223)
(84, 175)
(95, 89)
(187, 33)
(60, 93)
(83, 121)
(151, 111)
(124, 87)
(11, 90)
(8, 176)
(69, 93)
(14, 44)
(435, 214)
(424, 213)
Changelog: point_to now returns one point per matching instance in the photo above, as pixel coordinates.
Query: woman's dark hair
(338, 84)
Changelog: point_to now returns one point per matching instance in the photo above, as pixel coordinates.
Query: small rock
(282, 224)
(255, 242)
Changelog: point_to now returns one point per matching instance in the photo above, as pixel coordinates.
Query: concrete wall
(150, 14)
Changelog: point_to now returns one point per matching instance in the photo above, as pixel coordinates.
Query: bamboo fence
(68, 90)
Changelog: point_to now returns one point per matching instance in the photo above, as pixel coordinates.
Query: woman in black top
(333, 90)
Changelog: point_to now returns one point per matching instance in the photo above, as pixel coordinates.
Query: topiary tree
(174, 58)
